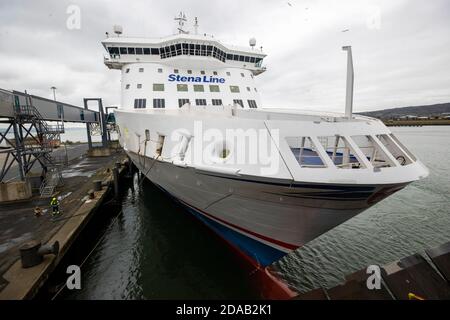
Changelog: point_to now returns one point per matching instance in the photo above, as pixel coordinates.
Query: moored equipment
(32, 253)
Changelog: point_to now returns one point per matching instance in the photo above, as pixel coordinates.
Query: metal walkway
(28, 138)
(50, 110)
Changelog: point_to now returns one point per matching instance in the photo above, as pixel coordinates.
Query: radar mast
(181, 20)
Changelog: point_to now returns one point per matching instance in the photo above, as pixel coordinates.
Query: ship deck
(254, 114)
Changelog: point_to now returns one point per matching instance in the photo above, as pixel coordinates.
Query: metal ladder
(53, 179)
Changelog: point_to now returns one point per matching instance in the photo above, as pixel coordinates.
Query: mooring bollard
(97, 185)
(32, 253)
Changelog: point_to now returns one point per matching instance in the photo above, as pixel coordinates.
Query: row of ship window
(161, 103)
(197, 88)
(202, 72)
(185, 49)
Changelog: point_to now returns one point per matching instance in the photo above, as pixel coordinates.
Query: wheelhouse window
(123, 50)
(239, 102)
(234, 89)
(113, 50)
(305, 152)
(182, 102)
(214, 88)
(252, 104)
(200, 102)
(372, 151)
(341, 153)
(158, 87)
(181, 87)
(410, 155)
(217, 102)
(140, 103)
(194, 49)
(397, 150)
(159, 103)
(199, 88)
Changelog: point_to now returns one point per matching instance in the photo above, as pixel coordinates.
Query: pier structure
(89, 185)
(424, 276)
(33, 128)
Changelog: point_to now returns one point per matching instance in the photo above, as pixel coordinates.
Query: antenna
(181, 20)
(195, 25)
(350, 78)
(117, 29)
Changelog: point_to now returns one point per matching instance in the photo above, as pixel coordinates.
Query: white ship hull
(264, 217)
(263, 220)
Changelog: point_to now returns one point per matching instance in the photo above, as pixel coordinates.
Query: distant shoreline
(416, 123)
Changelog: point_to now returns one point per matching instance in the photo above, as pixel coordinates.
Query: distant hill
(419, 111)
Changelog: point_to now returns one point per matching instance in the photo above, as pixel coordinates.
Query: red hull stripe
(257, 235)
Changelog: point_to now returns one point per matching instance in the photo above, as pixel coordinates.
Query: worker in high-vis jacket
(55, 206)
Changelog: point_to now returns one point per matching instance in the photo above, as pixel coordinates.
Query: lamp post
(54, 92)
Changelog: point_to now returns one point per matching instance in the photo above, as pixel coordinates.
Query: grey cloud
(405, 62)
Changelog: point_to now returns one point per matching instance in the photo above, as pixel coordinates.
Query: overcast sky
(401, 48)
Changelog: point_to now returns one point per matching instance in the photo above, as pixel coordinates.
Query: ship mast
(181, 20)
(195, 25)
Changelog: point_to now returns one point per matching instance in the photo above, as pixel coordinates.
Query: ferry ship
(266, 180)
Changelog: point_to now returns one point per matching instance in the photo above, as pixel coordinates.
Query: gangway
(29, 138)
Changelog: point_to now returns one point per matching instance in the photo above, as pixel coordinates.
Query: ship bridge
(125, 50)
(185, 68)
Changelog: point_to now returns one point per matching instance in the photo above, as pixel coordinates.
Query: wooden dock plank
(441, 259)
(316, 294)
(355, 288)
(414, 275)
